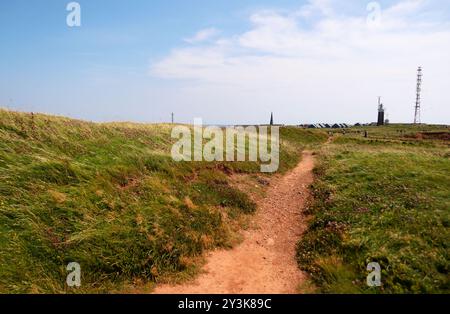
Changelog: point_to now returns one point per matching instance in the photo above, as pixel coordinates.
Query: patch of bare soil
(445, 136)
(264, 263)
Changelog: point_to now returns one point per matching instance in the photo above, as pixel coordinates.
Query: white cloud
(202, 35)
(329, 69)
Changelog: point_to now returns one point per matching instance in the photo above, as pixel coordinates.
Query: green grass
(383, 199)
(110, 197)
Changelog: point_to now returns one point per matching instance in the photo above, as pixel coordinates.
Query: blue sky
(226, 61)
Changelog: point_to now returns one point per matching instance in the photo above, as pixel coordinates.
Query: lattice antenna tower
(417, 118)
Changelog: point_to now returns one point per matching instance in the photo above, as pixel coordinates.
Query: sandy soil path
(265, 261)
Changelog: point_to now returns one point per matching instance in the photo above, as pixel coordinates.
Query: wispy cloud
(202, 35)
(323, 57)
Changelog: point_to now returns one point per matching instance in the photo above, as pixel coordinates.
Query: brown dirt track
(264, 263)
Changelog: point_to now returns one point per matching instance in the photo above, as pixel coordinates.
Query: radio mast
(417, 117)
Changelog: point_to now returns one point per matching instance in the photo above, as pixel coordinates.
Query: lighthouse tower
(380, 113)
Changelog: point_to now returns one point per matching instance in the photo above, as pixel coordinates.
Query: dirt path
(265, 261)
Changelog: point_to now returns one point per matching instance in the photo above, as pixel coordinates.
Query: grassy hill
(385, 199)
(109, 197)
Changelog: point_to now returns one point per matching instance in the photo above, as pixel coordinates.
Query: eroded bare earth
(265, 261)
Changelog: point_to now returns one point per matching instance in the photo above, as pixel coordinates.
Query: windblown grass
(110, 197)
(383, 199)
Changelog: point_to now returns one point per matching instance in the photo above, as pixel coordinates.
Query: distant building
(380, 113)
(327, 126)
(340, 126)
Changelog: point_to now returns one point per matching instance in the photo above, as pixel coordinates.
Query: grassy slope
(109, 197)
(380, 200)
